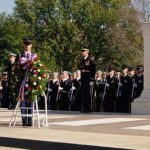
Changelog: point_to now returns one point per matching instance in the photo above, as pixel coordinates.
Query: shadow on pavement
(44, 145)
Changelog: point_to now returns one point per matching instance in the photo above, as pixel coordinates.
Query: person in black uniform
(0, 88)
(118, 93)
(77, 101)
(52, 88)
(134, 84)
(126, 91)
(88, 70)
(139, 81)
(5, 91)
(12, 79)
(109, 102)
(64, 89)
(99, 86)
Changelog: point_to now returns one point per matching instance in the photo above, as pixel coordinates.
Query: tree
(60, 28)
(12, 33)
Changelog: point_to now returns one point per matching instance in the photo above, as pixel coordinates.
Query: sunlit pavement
(73, 130)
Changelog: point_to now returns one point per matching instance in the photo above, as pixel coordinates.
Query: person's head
(125, 70)
(65, 74)
(55, 75)
(139, 69)
(98, 74)
(78, 74)
(47, 76)
(105, 74)
(12, 57)
(27, 43)
(74, 75)
(112, 72)
(132, 71)
(5, 75)
(118, 74)
(85, 52)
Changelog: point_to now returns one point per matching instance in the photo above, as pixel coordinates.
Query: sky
(7, 6)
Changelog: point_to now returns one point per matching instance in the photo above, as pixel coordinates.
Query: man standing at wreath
(24, 63)
(88, 70)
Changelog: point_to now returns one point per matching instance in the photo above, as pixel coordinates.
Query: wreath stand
(35, 114)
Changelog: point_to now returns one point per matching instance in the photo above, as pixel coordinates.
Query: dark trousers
(5, 98)
(64, 101)
(109, 102)
(77, 103)
(26, 120)
(123, 105)
(99, 101)
(86, 96)
(53, 103)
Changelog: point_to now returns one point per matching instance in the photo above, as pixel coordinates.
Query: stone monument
(141, 105)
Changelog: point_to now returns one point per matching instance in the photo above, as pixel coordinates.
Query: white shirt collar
(85, 57)
(27, 52)
(65, 79)
(111, 76)
(140, 75)
(99, 79)
(54, 80)
(78, 79)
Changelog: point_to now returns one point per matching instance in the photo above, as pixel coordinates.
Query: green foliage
(60, 28)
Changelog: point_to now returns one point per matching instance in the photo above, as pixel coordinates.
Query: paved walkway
(72, 130)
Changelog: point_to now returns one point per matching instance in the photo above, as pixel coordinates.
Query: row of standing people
(109, 91)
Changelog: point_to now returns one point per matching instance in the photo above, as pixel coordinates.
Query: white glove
(73, 88)
(107, 84)
(60, 88)
(135, 85)
(50, 90)
(91, 83)
(120, 84)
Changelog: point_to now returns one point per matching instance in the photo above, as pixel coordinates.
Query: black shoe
(29, 124)
(87, 111)
(24, 121)
(24, 124)
(10, 108)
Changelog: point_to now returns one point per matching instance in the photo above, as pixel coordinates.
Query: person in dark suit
(64, 89)
(12, 79)
(118, 93)
(99, 86)
(76, 104)
(52, 89)
(133, 76)
(5, 91)
(109, 102)
(139, 81)
(88, 69)
(126, 91)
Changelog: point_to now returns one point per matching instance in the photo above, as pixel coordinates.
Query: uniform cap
(85, 49)
(125, 67)
(5, 73)
(12, 54)
(27, 41)
(78, 71)
(139, 68)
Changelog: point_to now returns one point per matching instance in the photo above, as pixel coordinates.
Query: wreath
(36, 81)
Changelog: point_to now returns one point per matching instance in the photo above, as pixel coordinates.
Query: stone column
(141, 105)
